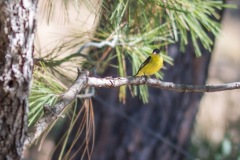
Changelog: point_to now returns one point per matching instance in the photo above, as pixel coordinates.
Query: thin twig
(111, 43)
(89, 93)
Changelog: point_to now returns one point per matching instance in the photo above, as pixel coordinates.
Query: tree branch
(83, 80)
(53, 113)
(120, 81)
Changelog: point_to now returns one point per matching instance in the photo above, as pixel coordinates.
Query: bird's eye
(156, 51)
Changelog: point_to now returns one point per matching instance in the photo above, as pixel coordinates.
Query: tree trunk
(17, 25)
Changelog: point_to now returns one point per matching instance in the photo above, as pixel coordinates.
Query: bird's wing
(144, 63)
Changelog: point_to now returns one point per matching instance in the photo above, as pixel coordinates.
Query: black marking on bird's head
(156, 51)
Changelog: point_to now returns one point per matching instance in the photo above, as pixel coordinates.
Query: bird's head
(156, 51)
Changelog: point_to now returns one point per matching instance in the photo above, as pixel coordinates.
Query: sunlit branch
(101, 44)
(108, 82)
(120, 81)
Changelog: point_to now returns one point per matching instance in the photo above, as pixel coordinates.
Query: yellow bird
(151, 65)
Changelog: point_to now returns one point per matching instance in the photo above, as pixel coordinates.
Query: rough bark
(17, 24)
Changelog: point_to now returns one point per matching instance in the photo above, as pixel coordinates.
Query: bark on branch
(51, 114)
(120, 81)
(83, 80)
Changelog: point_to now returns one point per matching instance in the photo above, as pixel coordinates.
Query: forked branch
(108, 82)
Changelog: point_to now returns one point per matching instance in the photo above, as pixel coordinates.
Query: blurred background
(217, 127)
(216, 131)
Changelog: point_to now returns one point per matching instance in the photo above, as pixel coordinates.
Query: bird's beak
(154, 53)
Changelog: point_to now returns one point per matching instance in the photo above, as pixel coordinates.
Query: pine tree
(157, 126)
